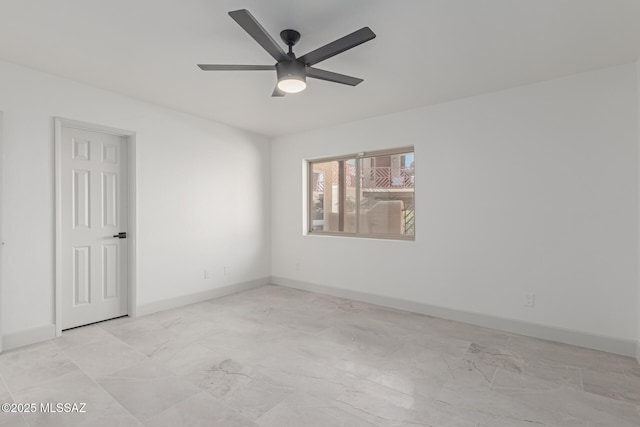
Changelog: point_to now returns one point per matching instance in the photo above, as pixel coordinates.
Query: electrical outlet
(530, 299)
(225, 270)
(207, 274)
(298, 266)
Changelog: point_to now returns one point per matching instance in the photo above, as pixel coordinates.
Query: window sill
(362, 236)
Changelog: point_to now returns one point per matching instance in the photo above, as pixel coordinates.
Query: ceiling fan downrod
(290, 38)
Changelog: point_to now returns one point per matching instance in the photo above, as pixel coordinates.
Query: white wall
(203, 194)
(532, 189)
(638, 300)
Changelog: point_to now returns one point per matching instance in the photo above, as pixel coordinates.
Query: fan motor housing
(291, 69)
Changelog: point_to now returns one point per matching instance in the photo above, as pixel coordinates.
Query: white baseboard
(180, 301)
(47, 332)
(28, 336)
(598, 342)
(567, 336)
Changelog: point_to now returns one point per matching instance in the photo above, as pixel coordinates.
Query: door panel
(81, 275)
(110, 271)
(80, 201)
(109, 200)
(94, 209)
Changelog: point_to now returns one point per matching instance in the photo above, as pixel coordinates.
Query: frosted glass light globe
(291, 85)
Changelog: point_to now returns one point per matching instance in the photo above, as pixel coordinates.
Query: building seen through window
(370, 195)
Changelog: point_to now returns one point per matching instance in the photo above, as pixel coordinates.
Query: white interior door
(94, 212)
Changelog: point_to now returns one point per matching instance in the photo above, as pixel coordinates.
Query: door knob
(121, 235)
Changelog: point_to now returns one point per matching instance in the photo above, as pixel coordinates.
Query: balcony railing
(380, 178)
(387, 178)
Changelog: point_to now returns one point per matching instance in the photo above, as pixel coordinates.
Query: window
(365, 195)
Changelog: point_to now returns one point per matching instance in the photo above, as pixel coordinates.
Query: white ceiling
(426, 51)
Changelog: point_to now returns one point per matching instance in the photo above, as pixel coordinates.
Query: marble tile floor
(275, 356)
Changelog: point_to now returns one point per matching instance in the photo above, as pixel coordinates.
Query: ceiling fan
(292, 71)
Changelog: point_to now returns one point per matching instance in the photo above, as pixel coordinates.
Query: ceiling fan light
(292, 84)
(292, 76)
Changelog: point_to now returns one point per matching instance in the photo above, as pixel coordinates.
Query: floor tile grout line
(368, 380)
(353, 374)
(356, 376)
(272, 408)
(134, 319)
(493, 377)
(506, 345)
(325, 362)
(64, 350)
(90, 342)
(221, 403)
(294, 391)
(7, 387)
(101, 388)
(613, 399)
(581, 380)
(28, 348)
(13, 398)
(173, 405)
(142, 422)
(335, 400)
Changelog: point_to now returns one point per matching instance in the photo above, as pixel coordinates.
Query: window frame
(358, 157)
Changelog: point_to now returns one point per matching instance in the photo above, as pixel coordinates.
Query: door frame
(130, 140)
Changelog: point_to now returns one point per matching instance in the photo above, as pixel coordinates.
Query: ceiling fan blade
(259, 34)
(329, 76)
(216, 67)
(278, 92)
(345, 43)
